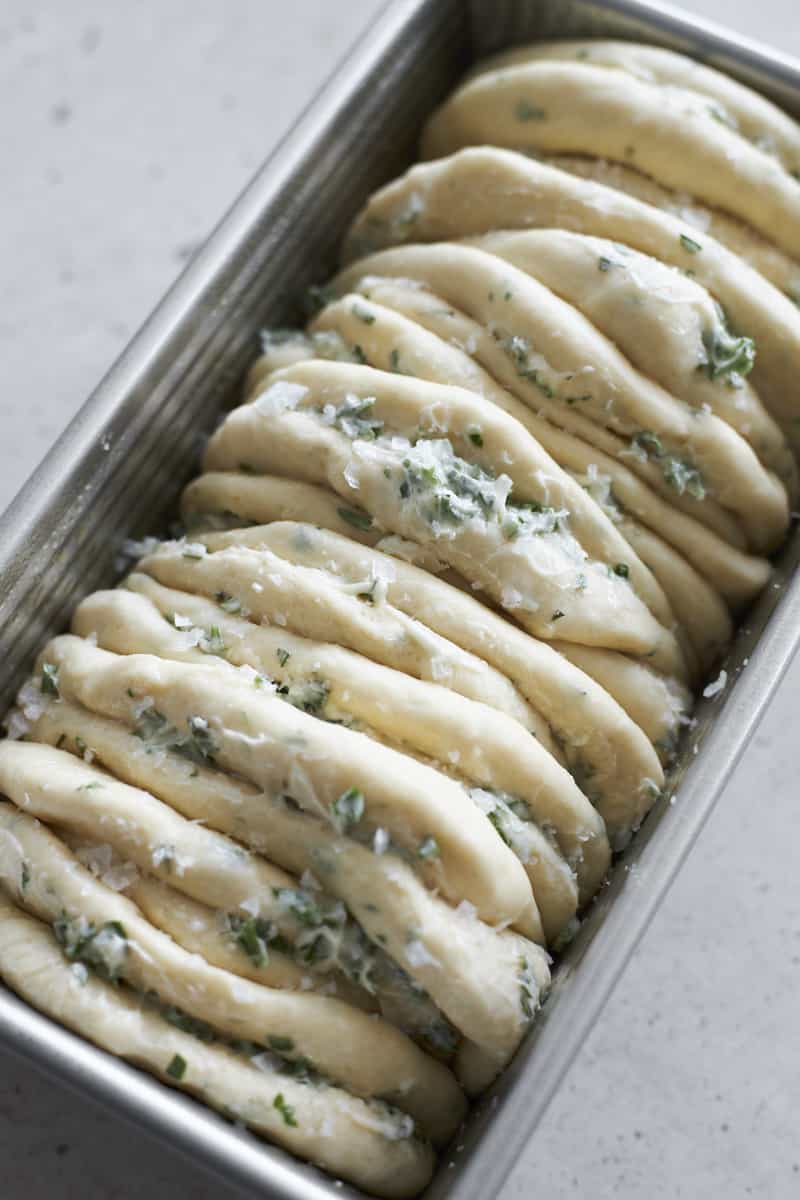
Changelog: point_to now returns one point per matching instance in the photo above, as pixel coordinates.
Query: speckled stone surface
(125, 130)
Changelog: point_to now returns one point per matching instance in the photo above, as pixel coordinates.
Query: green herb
(726, 354)
(428, 848)
(80, 745)
(475, 436)
(309, 695)
(317, 297)
(228, 602)
(286, 1110)
(280, 1044)
(525, 111)
(25, 876)
(557, 615)
(177, 1067)
(188, 1024)
(528, 989)
(213, 642)
(252, 935)
(363, 314)
(282, 656)
(88, 787)
(394, 360)
(105, 949)
(247, 468)
(353, 417)
(678, 472)
(348, 809)
(301, 904)
(518, 349)
(604, 264)
(507, 295)
(49, 681)
(358, 355)
(622, 569)
(358, 520)
(689, 244)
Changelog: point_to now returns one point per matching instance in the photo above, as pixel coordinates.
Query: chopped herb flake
(280, 1044)
(282, 656)
(622, 569)
(286, 1110)
(359, 520)
(525, 111)
(689, 244)
(49, 681)
(177, 1067)
(428, 848)
(348, 809)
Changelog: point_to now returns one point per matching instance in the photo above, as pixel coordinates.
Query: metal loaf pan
(118, 468)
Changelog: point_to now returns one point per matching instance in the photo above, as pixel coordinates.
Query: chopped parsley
(177, 1067)
(678, 472)
(475, 436)
(286, 1110)
(348, 809)
(282, 656)
(228, 602)
(252, 935)
(557, 615)
(689, 244)
(25, 878)
(213, 642)
(105, 949)
(317, 297)
(519, 350)
(281, 1045)
(622, 569)
(394, 360)
(353, 417)
(428, 848)
(525, 111)
(197, 744)
(604, 264)
(359, 520)
(309, 695)
(49, 680)
(726, 354)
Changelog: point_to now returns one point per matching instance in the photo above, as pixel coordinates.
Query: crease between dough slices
(473, 974)
(283, 749)
(668, 132)
(323, 1030)
(484, 188)
(552, 347)
(441, 349)
(338, 1132)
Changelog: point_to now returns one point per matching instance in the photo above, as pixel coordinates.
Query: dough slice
(665, 323)
(668, 133)
(369, 1145)
(469, 742)
(522, 553)
(343, 776)
(241, 888)
(731, 103)
(551, 348)
(445, 349)
(485, 188)
(470, 971)
(369, 1056)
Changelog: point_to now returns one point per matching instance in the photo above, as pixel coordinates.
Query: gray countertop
(125, 131)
